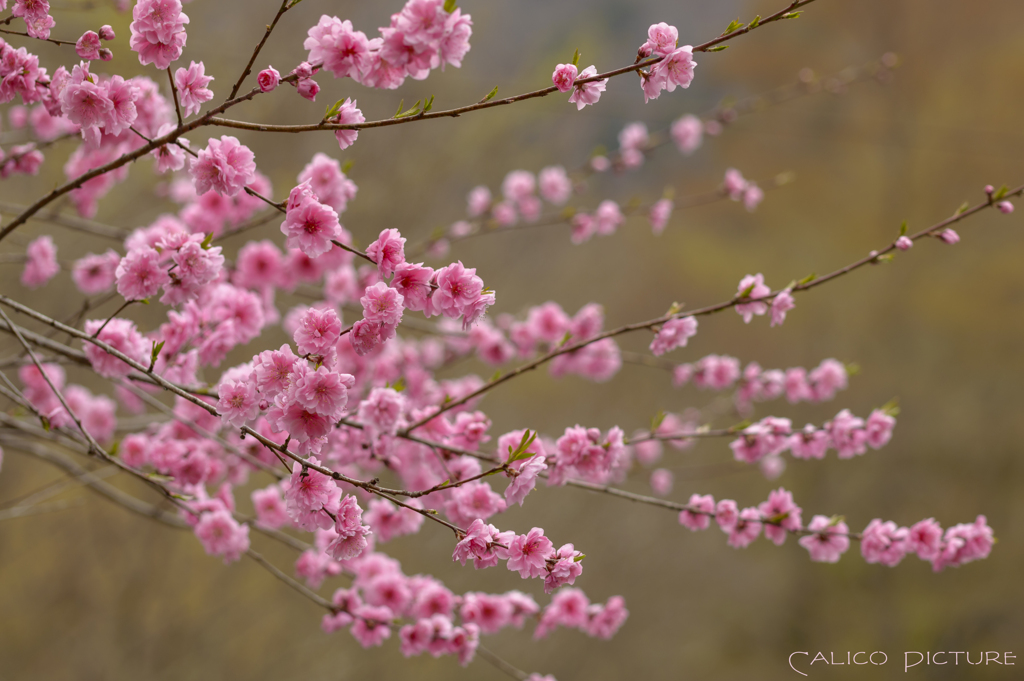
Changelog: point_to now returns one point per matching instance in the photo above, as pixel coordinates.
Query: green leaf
(565, 339)
(490, 95)
(579, 558)
(333, 109)
(963, 206)
(1001, 193)
(903, 228)
(791, 15)
(449, 6)
(717, 48)
(808, 279)
(347, 166)
(411, 112)
(495, 377)
(892, 407)
(399, 385)
(885, 257)
(429, 105)
(155, 351)
(745, 293)
(756, 22)
(733, 25)
(852, 368)
(657, 420)
(835, 520)
(401, 103)
(576, 58)
(524, 444)
(46, 423)
(675, 309)
(444, 484)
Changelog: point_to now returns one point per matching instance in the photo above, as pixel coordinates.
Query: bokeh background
(96, 593)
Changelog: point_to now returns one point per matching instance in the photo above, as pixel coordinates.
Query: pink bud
(308, 88)
(904, 243)
(989, 189)
(106, 32)
(105, 54)
(268, 79)
(303, 70)
(949, 236)
(1005, 207)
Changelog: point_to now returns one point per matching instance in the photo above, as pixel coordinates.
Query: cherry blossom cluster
(36, 14)
(421, 37)
(849, 435)
(827, 539)
(353, 404)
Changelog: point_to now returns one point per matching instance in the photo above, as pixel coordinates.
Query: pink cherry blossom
(829, 541)
(752, 287)
(221, 535)
(41, 263)
(225, 166)
(94, 274)
(311, 227)
(674, 334)
(192, 87)
(318, 331)
(699, 518)
(388, 251)
(528, 553)
(158, 31)
(268, 79)
(587, 93)
(781, 304)
(237, 402)
(347, 115)
(122, 336)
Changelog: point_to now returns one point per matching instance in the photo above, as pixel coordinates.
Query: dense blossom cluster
(351, 400)
(827, 539)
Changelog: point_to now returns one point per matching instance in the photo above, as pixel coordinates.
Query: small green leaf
(399, 385)
(46, 423)
(411, 112)
(521, 452)
(449, 6)
(333, 109)
(885, 257)
(155, 350)
(1000, 193)
(674, 309)
(347, 166)
(579, 558)
(903, 228)
(565, 339)
(756, 22)
(745, 293)
(401, 103)
(733, 25)
(429, 105)
(963, 206)
(657, 420)
(495, 377)
(892, 407)
(717, 48)
(490, 95)
(808, 279)
(852, 369)
(835, 520)
(207, 242)
(791, 15)
(444, 484)
(576, 58)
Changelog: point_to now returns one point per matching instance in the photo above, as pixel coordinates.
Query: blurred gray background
(96, 593)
